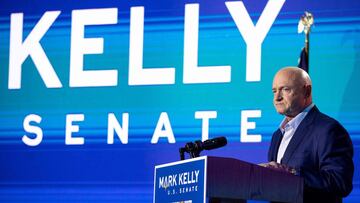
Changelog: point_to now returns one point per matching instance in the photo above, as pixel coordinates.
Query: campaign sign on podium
(182, 181)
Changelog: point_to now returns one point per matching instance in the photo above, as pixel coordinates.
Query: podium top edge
(181, 162)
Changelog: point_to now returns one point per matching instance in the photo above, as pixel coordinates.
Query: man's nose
(277, 96)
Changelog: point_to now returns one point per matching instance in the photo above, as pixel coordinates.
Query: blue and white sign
(182, 181)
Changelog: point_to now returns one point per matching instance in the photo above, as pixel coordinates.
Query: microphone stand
(193, 149)
(182, 153)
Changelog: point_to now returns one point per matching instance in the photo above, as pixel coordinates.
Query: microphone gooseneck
(194, 148)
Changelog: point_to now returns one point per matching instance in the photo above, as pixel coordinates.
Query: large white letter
(113, 125)
(81, 46)
(138, 75)
(254, 35)
(245, 125)
(19, 51)
(205, 116)
(163, 122)
(192, 72)
(70, 128)
(32, 129)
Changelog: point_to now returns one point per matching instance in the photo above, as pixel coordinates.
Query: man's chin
(280, 111)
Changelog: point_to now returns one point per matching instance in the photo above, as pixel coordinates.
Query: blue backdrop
(96, 171)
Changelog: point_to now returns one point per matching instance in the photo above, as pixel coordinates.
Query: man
(309, 143)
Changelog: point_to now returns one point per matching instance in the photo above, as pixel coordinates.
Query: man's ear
(308, 90)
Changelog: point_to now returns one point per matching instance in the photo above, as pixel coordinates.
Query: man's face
(289, 94)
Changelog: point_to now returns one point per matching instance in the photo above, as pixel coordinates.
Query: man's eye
(286, 89)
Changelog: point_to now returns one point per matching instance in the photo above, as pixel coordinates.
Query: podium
(223, 180)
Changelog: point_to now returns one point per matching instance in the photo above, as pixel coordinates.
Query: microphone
(211, 143)
(194, 148)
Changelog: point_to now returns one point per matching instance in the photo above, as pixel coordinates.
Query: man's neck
(288, 118)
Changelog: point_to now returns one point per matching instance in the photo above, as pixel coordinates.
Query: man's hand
(279, 167)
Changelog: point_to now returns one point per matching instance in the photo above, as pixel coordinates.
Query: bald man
(308, 143)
